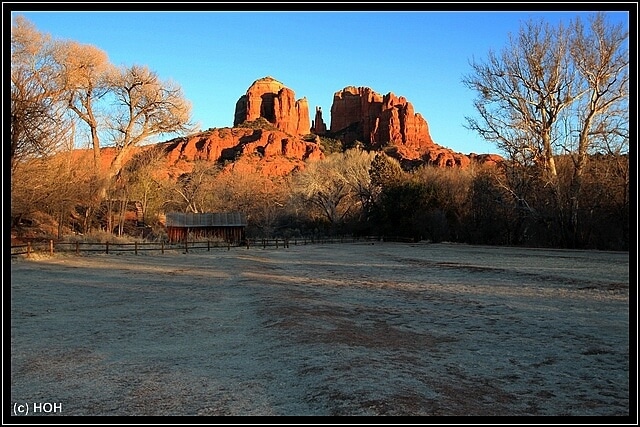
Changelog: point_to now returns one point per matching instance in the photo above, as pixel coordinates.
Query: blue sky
(215, 56)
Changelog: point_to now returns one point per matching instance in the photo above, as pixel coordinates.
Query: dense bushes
(356, 192)
(505, 205)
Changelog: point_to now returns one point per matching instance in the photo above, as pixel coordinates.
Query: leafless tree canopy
(338, 186)
(39, 124)
(82, 82)
(145, 106)
(554, 92)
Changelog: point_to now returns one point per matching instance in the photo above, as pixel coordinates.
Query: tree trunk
(96, 148)
(123, 214)
(60, 218)
(109, 214)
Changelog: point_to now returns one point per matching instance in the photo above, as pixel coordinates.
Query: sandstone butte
(379, 122)
(389, 122)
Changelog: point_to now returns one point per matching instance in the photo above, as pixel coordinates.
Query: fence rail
(109, 247)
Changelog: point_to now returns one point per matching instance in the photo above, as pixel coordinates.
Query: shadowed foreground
(344, 329)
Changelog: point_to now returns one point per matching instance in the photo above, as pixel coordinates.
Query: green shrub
(331, 145)
(259, 123)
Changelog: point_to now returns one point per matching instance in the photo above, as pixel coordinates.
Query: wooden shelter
(228, 226)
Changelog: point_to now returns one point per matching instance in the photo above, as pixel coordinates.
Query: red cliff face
(399, 124)
(389, 122)
(356, 111)
(379, 120)
(273, 152)
(270, 99)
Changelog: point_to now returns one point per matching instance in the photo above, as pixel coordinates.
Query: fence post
(28, 249)
(276, 243)
(247, 240)
(228, 245)
(186, 245)
(136, 247)
(162, 247)
(208, 246)
(77, 247)
(51, 247)
(107, 245)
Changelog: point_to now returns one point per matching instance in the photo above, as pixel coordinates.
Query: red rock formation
(444, 157)
(270, 99)
(233, 144)
(318, 125)
(356, 109)
(379, 120)
(398, 124)
(389, 122)
(386, 123)
(487, 159)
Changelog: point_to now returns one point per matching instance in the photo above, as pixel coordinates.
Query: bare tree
(522, 91)
(52, 81)
(38, 119)
(55, 185)
(260, 197)
(143, 180)
(191, 191)
(83, 82)
(555, 91)
(600, 116)
(338, 185)
(145, 107)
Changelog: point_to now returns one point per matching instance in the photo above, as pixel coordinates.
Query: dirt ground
(352, 329)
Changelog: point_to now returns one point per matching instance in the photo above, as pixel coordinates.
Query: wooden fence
(136, 247)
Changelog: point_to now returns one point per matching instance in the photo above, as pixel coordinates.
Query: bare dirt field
(337, 329)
